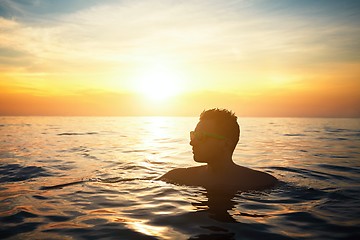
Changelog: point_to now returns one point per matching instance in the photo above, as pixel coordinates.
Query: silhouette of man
(213, 142)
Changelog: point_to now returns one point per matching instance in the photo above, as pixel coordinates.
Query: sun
(158, 81)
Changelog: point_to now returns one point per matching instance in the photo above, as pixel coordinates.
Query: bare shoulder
(173, 173)
(180, 175)
(257, 179)
(267, 178)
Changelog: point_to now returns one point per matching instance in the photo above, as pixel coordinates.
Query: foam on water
(95, 178)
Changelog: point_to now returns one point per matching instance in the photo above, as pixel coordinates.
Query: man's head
(219, 133)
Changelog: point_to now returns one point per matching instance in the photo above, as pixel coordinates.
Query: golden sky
(257, 58)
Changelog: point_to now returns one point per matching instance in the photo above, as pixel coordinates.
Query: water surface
(113, 162)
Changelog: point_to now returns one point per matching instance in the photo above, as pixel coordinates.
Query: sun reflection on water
(157, 127)
(157, 134)
(149, 230)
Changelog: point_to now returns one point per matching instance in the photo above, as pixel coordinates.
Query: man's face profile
(210, 146)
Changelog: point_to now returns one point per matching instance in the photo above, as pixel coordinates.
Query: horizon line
(35, 115)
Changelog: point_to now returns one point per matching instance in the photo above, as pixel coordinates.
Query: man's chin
(199, 160)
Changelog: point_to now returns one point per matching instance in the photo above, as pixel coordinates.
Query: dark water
(93, 178)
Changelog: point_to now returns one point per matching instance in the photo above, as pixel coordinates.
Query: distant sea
(94, 178)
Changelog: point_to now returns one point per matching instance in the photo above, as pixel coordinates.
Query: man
(213, 142)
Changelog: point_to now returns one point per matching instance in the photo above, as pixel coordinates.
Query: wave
(76, 133)
(17, 172)
(107, 180)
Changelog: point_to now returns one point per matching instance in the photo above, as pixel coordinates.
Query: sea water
(95, 178)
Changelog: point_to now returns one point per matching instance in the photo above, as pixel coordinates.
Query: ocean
(95, 178)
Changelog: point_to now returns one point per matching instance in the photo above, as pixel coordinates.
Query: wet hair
(225, 121)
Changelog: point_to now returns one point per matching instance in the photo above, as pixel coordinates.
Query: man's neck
(221, 168)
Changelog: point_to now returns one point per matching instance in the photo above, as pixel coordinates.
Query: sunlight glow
(158, 81)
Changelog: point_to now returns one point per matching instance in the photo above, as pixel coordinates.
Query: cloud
(43, 12)
(204, 31)
(232, 46)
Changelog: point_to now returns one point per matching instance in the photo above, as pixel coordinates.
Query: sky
(259, 58)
